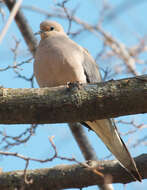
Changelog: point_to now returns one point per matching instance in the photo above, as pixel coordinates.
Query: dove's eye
(51, 28)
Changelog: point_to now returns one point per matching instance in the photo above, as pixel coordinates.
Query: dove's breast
(58, 61)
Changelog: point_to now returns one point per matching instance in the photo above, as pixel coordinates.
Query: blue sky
(127, 26)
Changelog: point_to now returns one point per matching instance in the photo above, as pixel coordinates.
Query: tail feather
(108, 133)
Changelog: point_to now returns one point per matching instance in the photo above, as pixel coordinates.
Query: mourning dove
(59, 60)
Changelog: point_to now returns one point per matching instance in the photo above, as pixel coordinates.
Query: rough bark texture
(72, 176)
(73, 103)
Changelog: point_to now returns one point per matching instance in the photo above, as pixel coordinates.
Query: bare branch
(84, 145)
(8, 141)
(23, 26)
(62, 176)
(10, 19)
(66, 103)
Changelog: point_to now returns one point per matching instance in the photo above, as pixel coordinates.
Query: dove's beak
(39, 32)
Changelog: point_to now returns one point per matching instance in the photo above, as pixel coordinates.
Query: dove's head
(49, 28)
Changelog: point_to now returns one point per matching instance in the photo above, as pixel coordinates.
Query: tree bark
(74, 103)
(72, 176)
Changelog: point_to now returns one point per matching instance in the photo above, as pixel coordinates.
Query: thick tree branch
(74, 103)
(72, 176)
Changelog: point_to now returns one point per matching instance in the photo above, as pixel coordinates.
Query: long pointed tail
(108, 133)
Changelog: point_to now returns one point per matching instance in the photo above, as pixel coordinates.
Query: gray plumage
(59, 60)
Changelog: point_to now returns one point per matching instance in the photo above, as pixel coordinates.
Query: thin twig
(10, 19)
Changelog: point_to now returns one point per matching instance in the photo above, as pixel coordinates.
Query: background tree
(115, 34)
